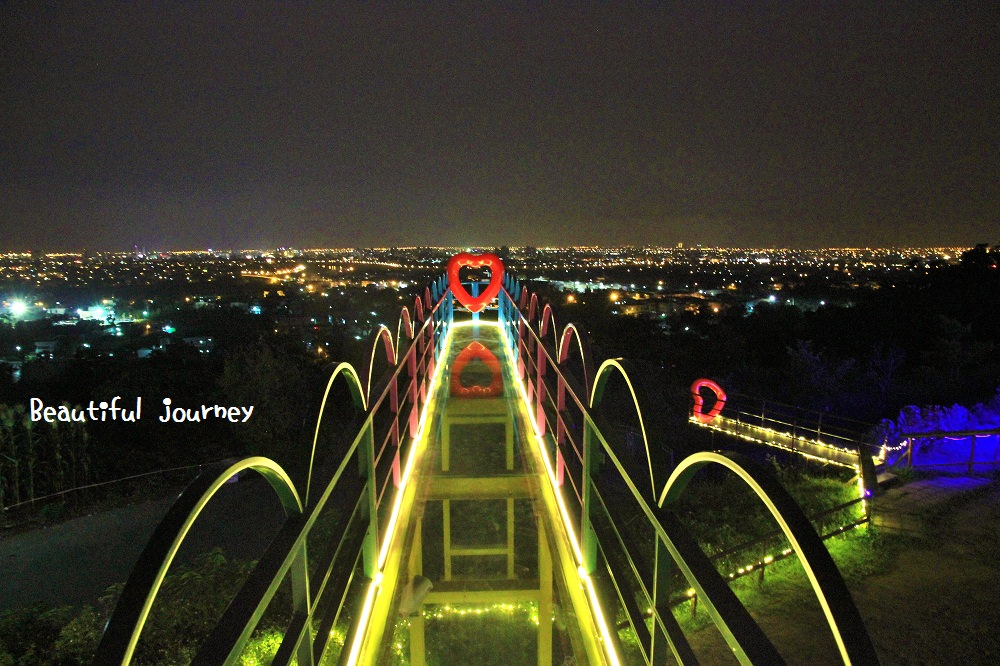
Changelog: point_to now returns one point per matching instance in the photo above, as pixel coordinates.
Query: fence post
(972, 455)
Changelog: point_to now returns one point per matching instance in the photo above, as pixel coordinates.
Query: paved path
(74, 562)
(904, 508)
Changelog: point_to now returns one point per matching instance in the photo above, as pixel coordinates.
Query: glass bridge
(484, 565)
(475, 513)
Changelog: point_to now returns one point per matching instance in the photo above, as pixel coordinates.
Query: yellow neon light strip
(588, 584)
(416, 448)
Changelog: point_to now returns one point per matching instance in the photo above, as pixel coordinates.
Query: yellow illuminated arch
(562, 353)
(359, 399)
(385, 336)
(682, 474)
(404, 325)
(597, 392)
(267, 468)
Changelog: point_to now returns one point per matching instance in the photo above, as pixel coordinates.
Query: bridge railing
(836, 429)
(968, 451)
(832, 440)
(629, 548)
(332, 543)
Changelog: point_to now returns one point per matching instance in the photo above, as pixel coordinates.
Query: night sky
(228, 125)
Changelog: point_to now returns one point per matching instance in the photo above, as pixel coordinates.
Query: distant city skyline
(253, 125)
(150, 251)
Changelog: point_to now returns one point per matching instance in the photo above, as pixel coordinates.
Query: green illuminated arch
(132, 610)
(841, 614)
(358, 396)
(597, 393)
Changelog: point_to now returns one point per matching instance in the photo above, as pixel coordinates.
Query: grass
(927, 597)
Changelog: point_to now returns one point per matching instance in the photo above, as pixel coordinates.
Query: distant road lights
(614, 296)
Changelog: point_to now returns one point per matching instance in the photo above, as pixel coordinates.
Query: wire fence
(58, 504)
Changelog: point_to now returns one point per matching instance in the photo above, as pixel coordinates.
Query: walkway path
(74, 562)
(905, 508)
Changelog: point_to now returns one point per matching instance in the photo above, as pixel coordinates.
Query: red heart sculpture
(492, 262)
(699, 402)
(476, 351)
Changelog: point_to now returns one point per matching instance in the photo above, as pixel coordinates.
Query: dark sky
(184, 125)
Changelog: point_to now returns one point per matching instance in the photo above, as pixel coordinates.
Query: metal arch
(418, 308)
(132, 610)
(548, 320)
(359, 399)
(586, 358)
(532, 308)
(842, 615)
(404, 325)
(385, 335)
(597, 393)
(513, 287)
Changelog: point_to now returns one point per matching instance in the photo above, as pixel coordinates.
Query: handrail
(536, 363)
(358, 496)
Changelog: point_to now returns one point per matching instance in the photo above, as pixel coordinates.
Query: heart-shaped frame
(491, 261)
(699, 402)
(476, 351)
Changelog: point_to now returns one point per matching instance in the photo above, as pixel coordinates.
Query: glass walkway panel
(481, 568)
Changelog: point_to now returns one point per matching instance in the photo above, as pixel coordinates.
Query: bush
(190, 602)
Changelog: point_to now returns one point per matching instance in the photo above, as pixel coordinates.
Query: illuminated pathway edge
(479, 486)
(526, 572)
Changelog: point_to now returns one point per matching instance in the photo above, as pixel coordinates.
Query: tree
(278, 387)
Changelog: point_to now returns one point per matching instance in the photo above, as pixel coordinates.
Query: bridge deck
(810, 448)
(479, 522)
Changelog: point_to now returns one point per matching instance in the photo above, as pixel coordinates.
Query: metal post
(661, 592)
(475, 294)
(367, 459)
(589, 545)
